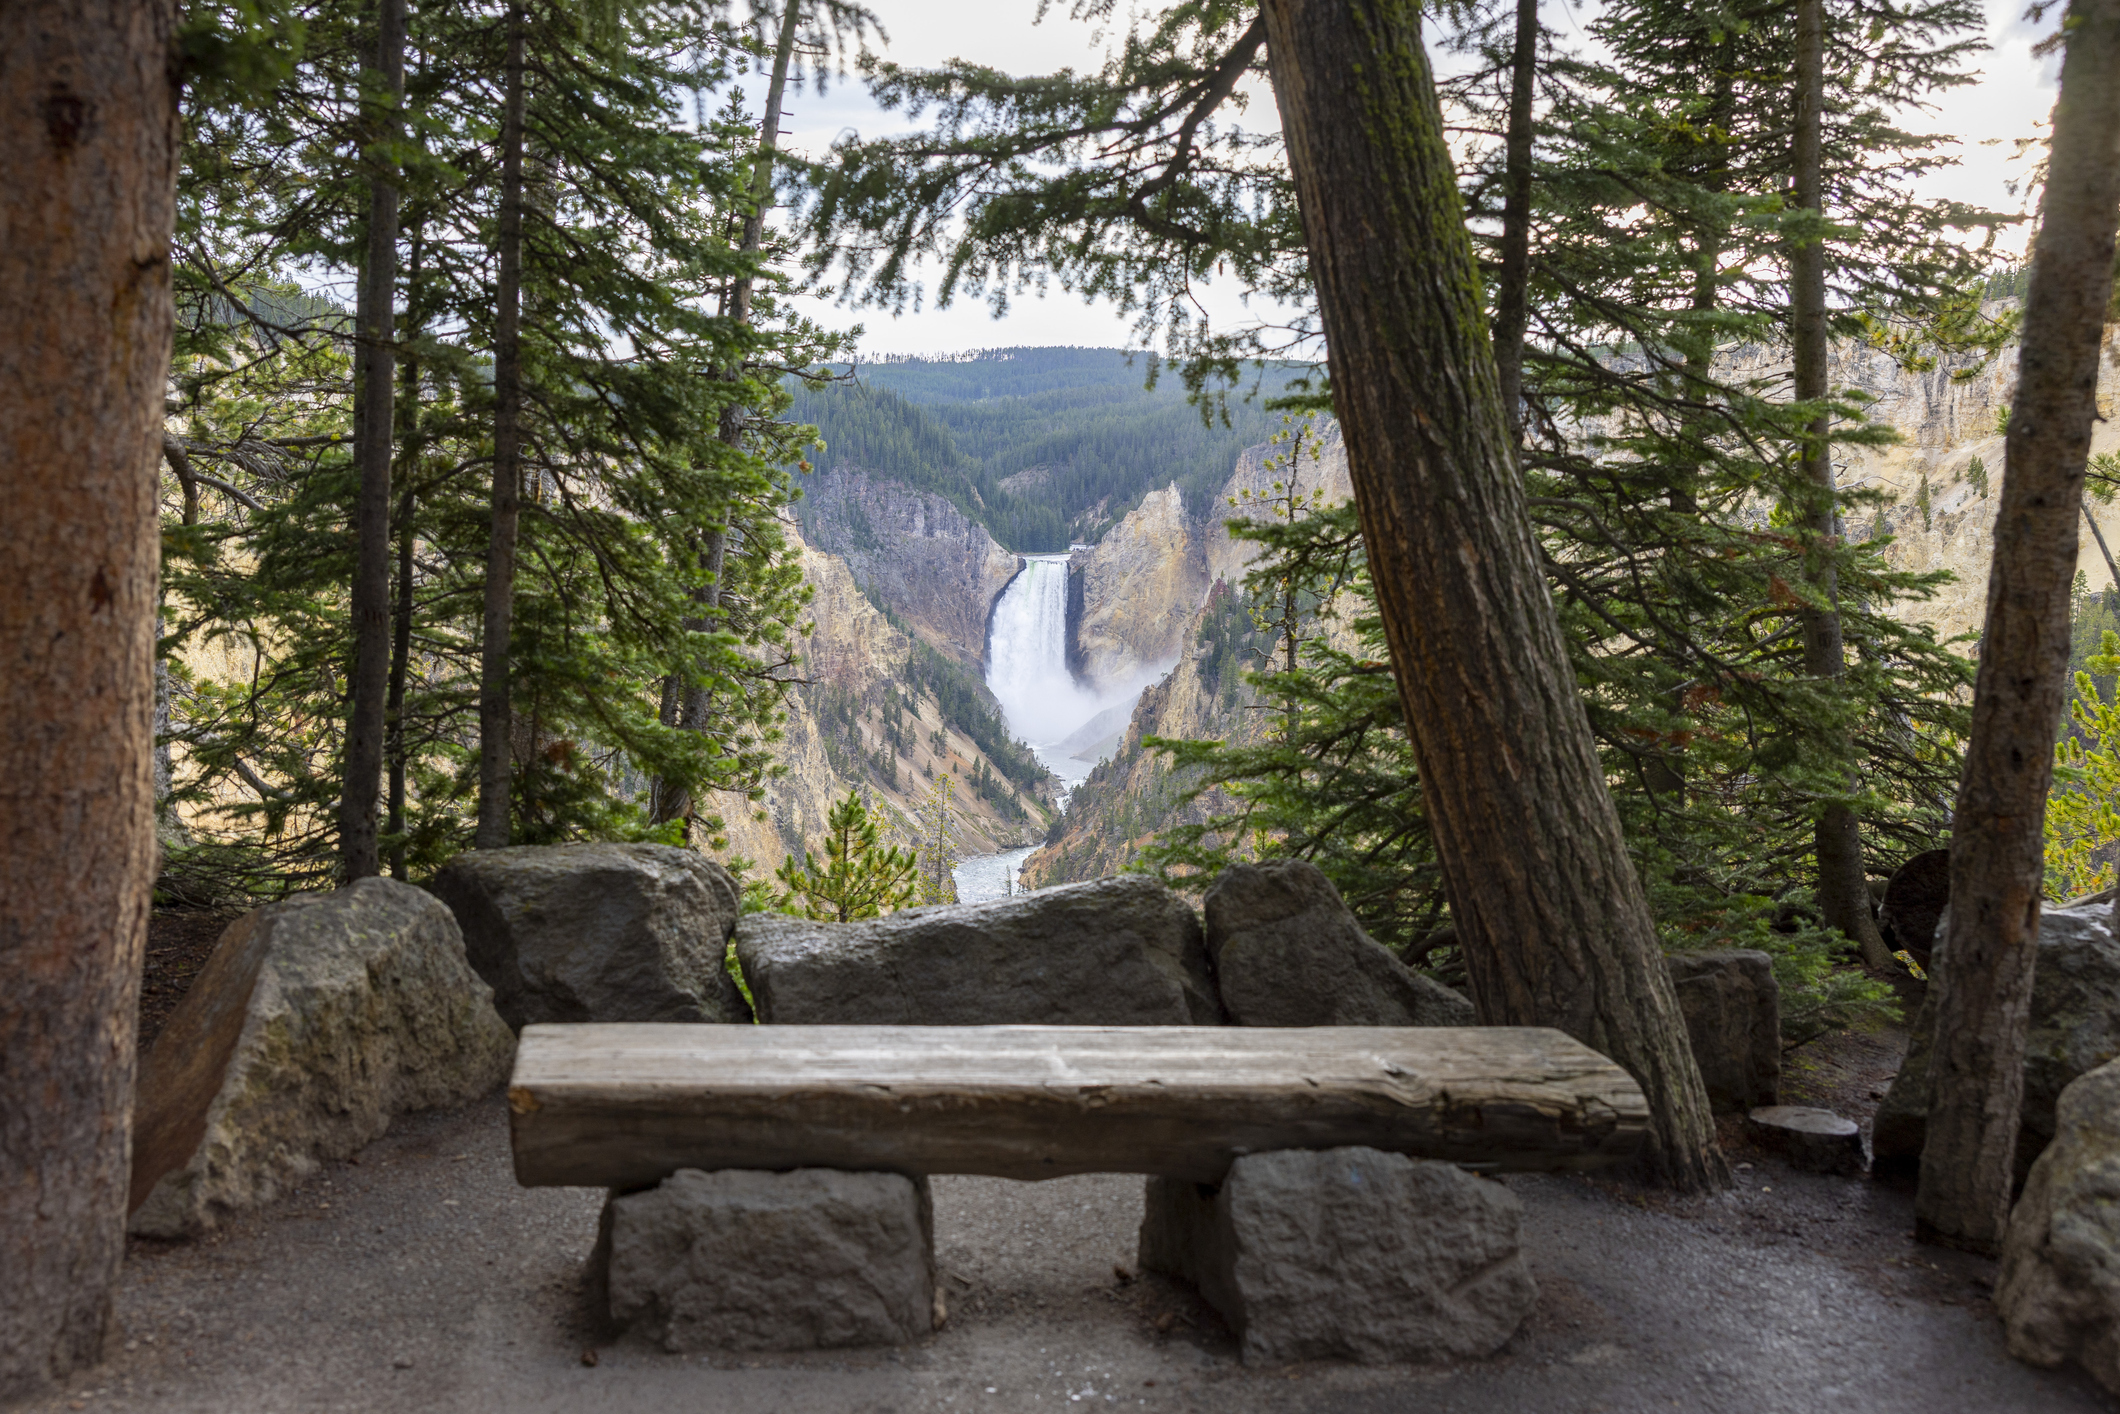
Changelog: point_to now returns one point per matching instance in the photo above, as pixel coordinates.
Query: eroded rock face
(315, 1023)
(1114, 952)
(742, 1259)
(2075, 1028)
(597, 932)
(1287, 951)
(2059, 1288)
(1732, 1008)
(1142, 586)
(1347, 1254)
(915, 551)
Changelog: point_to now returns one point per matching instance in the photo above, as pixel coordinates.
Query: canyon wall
(935, 567)
(844, 731)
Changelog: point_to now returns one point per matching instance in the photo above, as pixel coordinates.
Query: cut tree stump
(625, 1106)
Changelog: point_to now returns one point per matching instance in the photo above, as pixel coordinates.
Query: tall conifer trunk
(1549, 911)
(88, 107)
(1984, 980)
(1843, 889)
(1514, 279)
(672, 799)
(495, 714)
(375, 435)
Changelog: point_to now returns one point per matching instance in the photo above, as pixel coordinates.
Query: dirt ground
(423, 1278)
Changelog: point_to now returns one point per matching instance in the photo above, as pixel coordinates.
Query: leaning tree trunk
(1843, 888)
(87, 197)
(373, 439)
(693, 706)
(1984, 986)
(1549, 910)
(496, 717)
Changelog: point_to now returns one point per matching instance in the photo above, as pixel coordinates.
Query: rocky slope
(858, 724)
(912, 550)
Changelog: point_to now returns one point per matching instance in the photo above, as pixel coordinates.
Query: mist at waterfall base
(1070, 726)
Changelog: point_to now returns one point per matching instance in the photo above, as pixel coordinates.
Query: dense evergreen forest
(1041, 446)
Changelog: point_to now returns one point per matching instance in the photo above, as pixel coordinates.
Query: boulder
(1913, 902)
(2075, 1028)
(1732, 1007)
(2059, 1288)
(1818, 1141)
(313, 1024)
(598, 932)
(743, 1259)
(1287, 951)
(1346, 1254)
(1113, 952)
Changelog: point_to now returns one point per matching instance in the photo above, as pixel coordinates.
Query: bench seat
(625, 1106)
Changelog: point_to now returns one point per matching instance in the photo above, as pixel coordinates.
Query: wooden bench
(625, 1106)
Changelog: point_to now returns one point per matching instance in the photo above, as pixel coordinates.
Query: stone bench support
(742, 1259)
(1346, 1254)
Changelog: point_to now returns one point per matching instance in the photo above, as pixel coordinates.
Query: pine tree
(861, 877)
(937, 822)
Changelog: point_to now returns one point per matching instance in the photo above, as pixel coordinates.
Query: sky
(1986, 119)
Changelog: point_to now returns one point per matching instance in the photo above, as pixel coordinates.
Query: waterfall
(1027, 667)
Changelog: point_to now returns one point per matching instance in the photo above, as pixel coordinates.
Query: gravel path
(423, 1278)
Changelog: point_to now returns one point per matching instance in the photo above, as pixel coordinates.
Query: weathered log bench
(744, 1127)
(626, 1106)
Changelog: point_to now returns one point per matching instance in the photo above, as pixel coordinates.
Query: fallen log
(624, 1106)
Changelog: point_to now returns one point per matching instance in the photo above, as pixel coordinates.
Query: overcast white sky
(2015, 93)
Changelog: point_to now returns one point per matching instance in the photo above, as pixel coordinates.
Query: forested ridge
(1042, 446)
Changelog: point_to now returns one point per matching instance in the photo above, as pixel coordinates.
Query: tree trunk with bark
(496, 718)
(88, 103)
(1984, 986)
(374, 437)
(691, 704)
(1514, 279)
(1843, 886)
(1549, 911)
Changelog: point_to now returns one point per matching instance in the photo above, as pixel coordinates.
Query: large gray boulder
(1732, 1007)
(2059, 1289)
(2075, 1028)
(1347, 1254)
(1113, 952)
(598, 932)
(1288, 951)
(314, 1023)
(1913, 902)
(742, 1259)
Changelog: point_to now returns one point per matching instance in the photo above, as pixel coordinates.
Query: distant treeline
(1081, 420)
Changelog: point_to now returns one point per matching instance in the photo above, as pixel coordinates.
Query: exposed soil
(179, 940)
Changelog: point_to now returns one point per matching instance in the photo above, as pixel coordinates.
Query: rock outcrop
(597, 932)
(1142, 586)
(1288, 951)
(1116, 952)
(314, 1024)
(740, 1259)
(2059, 1288)
(1732, 1008)
(930, 563)
(1913, 903)
(2074, 1029)
(1347, 1254)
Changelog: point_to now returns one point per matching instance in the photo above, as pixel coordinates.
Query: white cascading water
(1026, 669)
(1026, 656)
